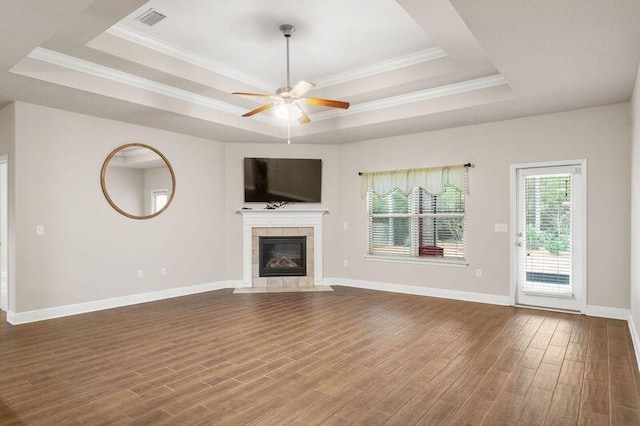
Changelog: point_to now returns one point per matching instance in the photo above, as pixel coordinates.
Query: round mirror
(138, 181)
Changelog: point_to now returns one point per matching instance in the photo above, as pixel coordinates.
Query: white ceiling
(406, 66)
(332, 36)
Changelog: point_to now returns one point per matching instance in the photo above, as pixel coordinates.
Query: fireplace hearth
(283, 256)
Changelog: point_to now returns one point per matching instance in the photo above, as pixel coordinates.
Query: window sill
(418, 260)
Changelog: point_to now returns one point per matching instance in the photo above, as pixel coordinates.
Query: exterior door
(549, 239)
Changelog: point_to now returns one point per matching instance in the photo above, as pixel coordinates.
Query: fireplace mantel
(281, 218)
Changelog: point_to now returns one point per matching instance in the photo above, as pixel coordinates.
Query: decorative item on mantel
(272, 205)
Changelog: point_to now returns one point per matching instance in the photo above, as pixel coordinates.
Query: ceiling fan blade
(304, 118)
(257, 110)
(262, 95)
(301, 88)
(327, 102)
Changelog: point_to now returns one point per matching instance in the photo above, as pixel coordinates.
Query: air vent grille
(151, 17)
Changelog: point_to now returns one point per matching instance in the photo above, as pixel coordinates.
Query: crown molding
(381, 67)
(129, 34)
(111, 74)
(422, 95)
(124, 32)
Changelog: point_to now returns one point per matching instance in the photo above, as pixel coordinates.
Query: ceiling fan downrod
(287, 30)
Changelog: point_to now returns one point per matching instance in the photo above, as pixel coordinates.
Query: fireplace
(283, 256)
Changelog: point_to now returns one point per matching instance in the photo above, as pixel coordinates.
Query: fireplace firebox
(283, 256)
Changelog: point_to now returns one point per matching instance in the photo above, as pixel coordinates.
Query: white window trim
(153, 193)
(424, 260)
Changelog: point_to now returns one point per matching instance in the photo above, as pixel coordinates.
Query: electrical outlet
(140, 273)
(478, 273)
(500, 227)
(163, 272)
(345, 262)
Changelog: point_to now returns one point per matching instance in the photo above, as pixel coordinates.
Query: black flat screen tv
(282, 179)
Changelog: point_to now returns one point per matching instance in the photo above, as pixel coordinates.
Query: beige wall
(235, 154)
(90, 252)
(601, 135)
(126, 189)
(635, 203)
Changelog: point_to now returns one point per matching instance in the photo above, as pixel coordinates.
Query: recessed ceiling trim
(380, 67)
(124, 32)
(422, 95)
(97, 70)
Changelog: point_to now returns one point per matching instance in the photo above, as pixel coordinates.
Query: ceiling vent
(151, 17)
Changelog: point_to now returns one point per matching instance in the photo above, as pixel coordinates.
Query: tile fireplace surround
(256, 223)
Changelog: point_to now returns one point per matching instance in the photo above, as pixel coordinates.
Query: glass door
(550, 217)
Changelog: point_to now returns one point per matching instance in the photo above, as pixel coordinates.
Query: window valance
(432, 179)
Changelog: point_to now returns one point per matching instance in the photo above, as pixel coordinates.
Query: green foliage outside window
(548, 208)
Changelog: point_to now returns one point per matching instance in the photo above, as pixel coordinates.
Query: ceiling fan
(287, 100)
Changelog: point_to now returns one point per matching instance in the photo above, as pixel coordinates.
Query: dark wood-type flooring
(345, 357)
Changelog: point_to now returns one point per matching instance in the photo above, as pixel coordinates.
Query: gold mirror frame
(103, 183)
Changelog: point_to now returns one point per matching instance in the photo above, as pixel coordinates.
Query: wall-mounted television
(282, 179)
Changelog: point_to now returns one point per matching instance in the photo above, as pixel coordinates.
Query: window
(159, 199)
(417, 223)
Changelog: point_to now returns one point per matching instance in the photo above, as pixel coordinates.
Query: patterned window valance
(431, 179)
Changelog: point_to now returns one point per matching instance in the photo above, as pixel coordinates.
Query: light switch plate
(39, 229)
(501, 227)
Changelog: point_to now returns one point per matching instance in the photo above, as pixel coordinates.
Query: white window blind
(417, 223)
(549, 232)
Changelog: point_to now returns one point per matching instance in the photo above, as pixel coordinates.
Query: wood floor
(345, 357)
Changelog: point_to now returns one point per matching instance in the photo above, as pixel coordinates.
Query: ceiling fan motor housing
(284, 92)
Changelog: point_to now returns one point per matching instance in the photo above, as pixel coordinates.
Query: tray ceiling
(405, 66)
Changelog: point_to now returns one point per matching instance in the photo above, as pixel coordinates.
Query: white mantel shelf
(281, 218)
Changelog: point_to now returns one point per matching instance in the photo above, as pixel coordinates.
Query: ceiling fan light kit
(287, 100)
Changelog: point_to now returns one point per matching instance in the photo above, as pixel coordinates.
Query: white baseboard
(16, 318)
(635, 338)
(494, 299)
(607, 312)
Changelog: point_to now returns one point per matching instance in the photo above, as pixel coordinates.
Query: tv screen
(282, 179)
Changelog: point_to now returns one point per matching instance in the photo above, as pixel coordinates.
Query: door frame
(4, 159)
(513, 219)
